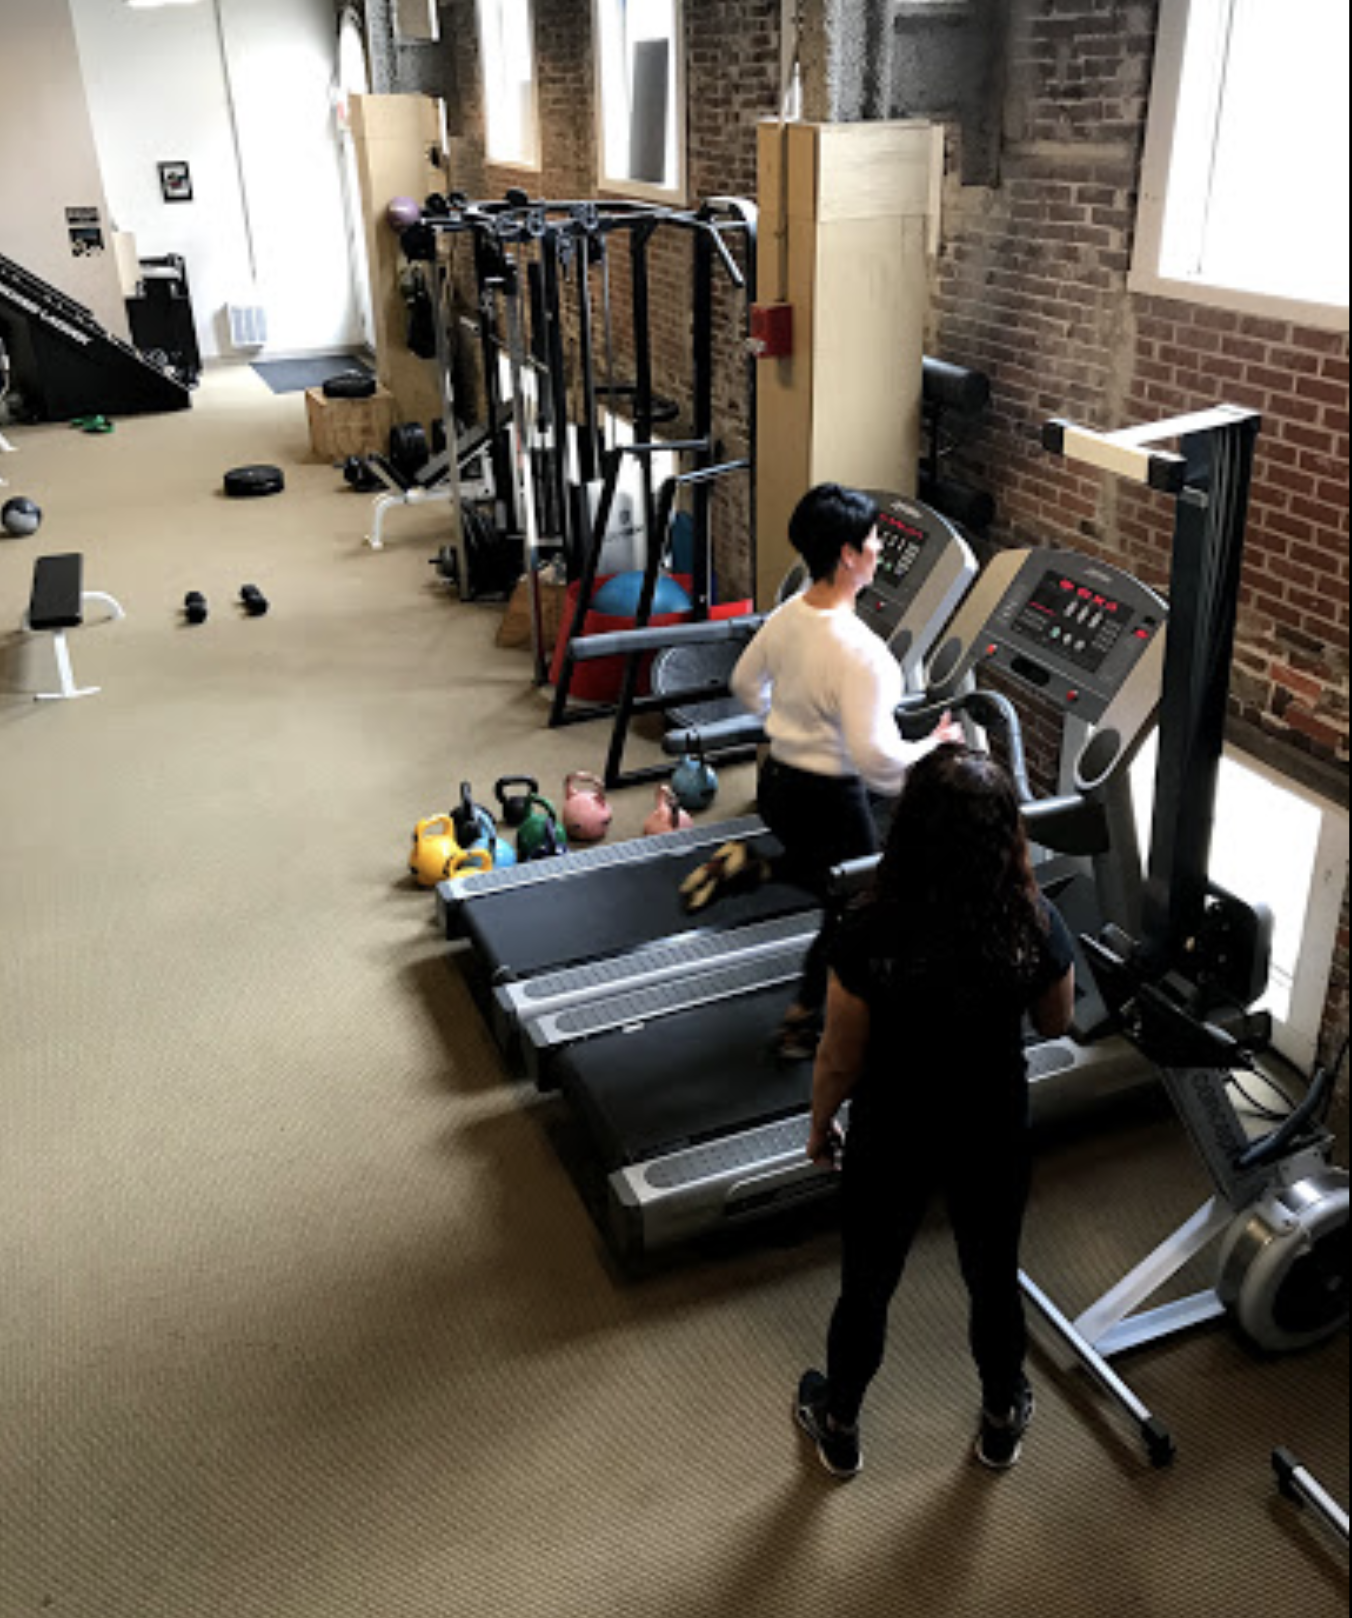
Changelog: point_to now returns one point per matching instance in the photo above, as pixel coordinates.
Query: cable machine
(550, 437)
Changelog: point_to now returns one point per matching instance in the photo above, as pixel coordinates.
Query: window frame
(534, 164)
(1157, 165)
(678, 194)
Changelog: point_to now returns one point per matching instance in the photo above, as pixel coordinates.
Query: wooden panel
(847, 406)
(784, 427)
(872, 299)
(393, 135)
(871, 171)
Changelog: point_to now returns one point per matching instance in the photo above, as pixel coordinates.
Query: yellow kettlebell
(436, 855)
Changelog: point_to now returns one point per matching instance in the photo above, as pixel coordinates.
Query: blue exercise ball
(619, 597)
(21, 517)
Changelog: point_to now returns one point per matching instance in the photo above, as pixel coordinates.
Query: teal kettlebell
(540, 835)
(694, 780)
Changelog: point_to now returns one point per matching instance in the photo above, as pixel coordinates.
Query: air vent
(248, 325)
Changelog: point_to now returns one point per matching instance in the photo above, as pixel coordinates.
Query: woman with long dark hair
(931, 980)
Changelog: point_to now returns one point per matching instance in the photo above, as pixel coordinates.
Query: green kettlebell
(540, 835)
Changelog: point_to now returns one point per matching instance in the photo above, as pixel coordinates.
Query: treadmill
(550, 939)
(693, 1126)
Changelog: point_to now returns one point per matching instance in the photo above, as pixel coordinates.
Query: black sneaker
(999, 1444)
(837, 1447)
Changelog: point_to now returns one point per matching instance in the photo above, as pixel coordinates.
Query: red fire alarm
(771, 331)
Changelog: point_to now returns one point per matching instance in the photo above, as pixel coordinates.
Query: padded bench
(57, 605)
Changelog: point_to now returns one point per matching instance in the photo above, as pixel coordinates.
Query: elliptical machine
(1183, 991)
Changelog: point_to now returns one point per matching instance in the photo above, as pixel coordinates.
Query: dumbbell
(195, 607)
(254, 601)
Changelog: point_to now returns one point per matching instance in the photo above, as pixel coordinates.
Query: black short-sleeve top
(946, 1035)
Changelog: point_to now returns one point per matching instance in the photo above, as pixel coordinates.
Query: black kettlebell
(516, 804)
(467, 818)
(195, 607)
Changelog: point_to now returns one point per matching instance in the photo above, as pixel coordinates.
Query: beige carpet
(301, 1315)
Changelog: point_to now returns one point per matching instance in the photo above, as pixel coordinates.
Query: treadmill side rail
(454, 895)
(725, 1182)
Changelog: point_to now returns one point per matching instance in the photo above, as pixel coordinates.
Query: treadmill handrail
(620, 642)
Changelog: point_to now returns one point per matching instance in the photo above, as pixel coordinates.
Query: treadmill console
(1072, 629)
(923, 572)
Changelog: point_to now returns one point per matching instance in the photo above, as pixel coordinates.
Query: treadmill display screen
(902, 544)
(1078, 623)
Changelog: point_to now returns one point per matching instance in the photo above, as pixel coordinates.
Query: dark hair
(827, 519)
(956, 880)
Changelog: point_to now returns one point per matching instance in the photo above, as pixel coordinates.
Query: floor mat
(294, 376)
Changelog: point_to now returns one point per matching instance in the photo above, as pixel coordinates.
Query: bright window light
(1247, 165)
(640, 79)
(507, 33)
(1277, 845)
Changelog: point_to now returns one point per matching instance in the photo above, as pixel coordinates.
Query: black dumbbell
(195, 607)
(255, 602)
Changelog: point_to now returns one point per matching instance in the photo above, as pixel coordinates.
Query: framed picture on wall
(176, 182)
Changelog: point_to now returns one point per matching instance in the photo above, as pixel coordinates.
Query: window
(511, 113)
(641, 96)
(1275, 843)
(1245, 190)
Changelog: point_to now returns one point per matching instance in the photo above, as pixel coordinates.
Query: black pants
(822, 821)
(889, 1177)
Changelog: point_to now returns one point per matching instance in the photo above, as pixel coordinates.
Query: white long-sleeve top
(827, 687)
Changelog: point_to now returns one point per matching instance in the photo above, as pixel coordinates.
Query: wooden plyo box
(343, 427)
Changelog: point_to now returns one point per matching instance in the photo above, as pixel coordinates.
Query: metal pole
(1155, 1435)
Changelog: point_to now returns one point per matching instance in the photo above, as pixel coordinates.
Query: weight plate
(253, 482)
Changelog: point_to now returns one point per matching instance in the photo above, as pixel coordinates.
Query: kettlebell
(516, 805)
(667, 815)
(476, 828)
(437, 856)
(694, 781)
(586, 810)
(540, 836)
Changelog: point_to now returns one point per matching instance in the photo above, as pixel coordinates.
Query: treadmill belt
(683, 1079)
(610, 912)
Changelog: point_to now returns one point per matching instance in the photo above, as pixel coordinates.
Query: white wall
(158, 92)
(48, 161)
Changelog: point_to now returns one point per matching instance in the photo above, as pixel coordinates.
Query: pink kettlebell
(667, 816)
(586, 810)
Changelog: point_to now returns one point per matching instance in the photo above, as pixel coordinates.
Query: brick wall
(1032, 287)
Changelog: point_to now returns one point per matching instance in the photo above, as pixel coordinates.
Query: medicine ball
(403, 212)
(253, 482)
(21, 517)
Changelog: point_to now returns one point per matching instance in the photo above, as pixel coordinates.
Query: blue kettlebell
(694, 780)
(475, 827)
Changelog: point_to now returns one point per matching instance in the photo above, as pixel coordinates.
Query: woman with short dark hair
(930, 982)
(828, 689)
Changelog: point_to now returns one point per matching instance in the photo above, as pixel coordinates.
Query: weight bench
(56, 605)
